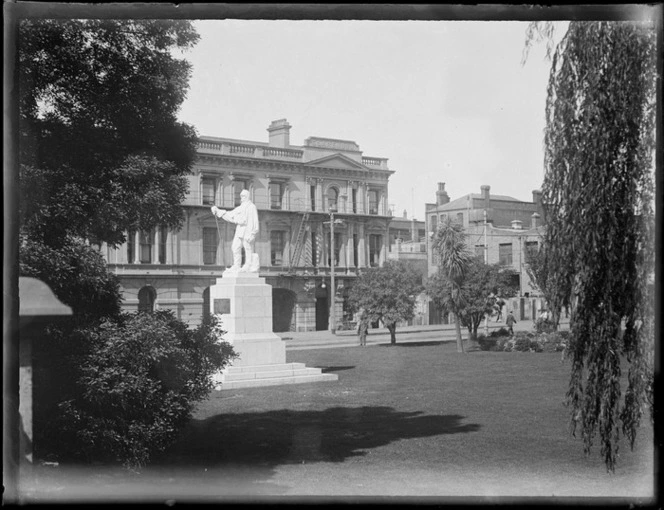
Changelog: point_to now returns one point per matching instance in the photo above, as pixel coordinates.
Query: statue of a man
(245, 216)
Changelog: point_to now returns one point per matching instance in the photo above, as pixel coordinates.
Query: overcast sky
(444, 101)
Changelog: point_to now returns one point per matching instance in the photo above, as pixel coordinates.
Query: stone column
(157, 247)
(343, 262)
(137, 247)
(386, 247)
(362, 198)
(168, 240)
(319, 196)
(349, 248)
(361, 247)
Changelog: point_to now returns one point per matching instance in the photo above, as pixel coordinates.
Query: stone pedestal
(244, 302)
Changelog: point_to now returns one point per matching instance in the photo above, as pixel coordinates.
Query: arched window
(332, 199)
(146, 299)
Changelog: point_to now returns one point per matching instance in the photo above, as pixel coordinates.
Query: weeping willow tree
(598, 196)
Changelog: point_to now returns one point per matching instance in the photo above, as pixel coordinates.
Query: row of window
(505, 251)
(277, 246)
(278, 243)
(276, 194)
(434, 220)
(145, 247)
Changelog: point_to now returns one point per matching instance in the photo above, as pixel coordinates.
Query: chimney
(413, 231)
(486, 195)
(279, 133)
(442, 197)
(516, 224)
(534, 220)
(405, 214)
(537, 197)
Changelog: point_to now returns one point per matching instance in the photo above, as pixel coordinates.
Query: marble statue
(245, 216)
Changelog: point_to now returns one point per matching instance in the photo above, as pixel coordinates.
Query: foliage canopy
(475, 296)
(100, 147)
(387, 293)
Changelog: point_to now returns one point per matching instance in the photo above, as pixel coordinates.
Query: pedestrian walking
(363, 329)
(510, 321)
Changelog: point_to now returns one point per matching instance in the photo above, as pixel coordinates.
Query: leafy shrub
(553, 342)
(522, 344)
(542, 325)
(77, 274)
(131, 385)
(486, 343)
(500, 332)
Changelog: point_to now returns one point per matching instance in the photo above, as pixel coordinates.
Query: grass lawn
(411, 420)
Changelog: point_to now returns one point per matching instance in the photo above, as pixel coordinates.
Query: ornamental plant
(128, 387)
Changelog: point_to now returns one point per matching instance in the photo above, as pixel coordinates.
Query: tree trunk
(472, 338)
(393, 333)
(458, 333)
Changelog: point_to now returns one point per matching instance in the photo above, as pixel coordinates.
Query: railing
(267, 203)
(256, 151)
(379, 162)
(284, 153)
(241, 149)
(263, 151)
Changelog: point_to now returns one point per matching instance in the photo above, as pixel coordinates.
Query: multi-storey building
(495, 228)
(295, 188)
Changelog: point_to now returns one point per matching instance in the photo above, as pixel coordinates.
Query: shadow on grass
(292, 437)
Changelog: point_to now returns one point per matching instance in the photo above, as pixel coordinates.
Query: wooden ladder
(299, 243)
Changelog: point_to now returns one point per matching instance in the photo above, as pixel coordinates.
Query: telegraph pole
(333, 289)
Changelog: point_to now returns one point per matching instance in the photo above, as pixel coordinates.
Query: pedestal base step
(270, 375)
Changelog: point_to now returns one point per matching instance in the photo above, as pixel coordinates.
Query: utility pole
(333, 289)
(486, 261)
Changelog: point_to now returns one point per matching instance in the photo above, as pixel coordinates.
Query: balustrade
(241, 149)
(372, 161)
(285, 153)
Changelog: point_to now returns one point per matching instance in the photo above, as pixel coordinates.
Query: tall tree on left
(100, 149)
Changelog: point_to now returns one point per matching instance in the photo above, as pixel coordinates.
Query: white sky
(444, 101)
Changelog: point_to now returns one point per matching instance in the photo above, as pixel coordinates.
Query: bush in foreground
(131, 386)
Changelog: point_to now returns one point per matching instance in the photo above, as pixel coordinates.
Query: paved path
(407, 334)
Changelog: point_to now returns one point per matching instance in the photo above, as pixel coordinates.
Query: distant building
(408, 243)
(294, 188)
(502, 235)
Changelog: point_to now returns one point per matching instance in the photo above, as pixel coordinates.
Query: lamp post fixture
(333, 289)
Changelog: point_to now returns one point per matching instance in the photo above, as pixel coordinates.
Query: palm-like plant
(454, 257)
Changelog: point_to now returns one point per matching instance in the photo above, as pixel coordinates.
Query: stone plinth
(244, 303)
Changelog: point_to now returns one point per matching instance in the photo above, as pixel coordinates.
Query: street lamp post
(333, 289)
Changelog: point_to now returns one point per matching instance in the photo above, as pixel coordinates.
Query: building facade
(295, 189)
(500, 229)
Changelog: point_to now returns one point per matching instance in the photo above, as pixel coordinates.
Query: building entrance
(322, 314)
(283, 301)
